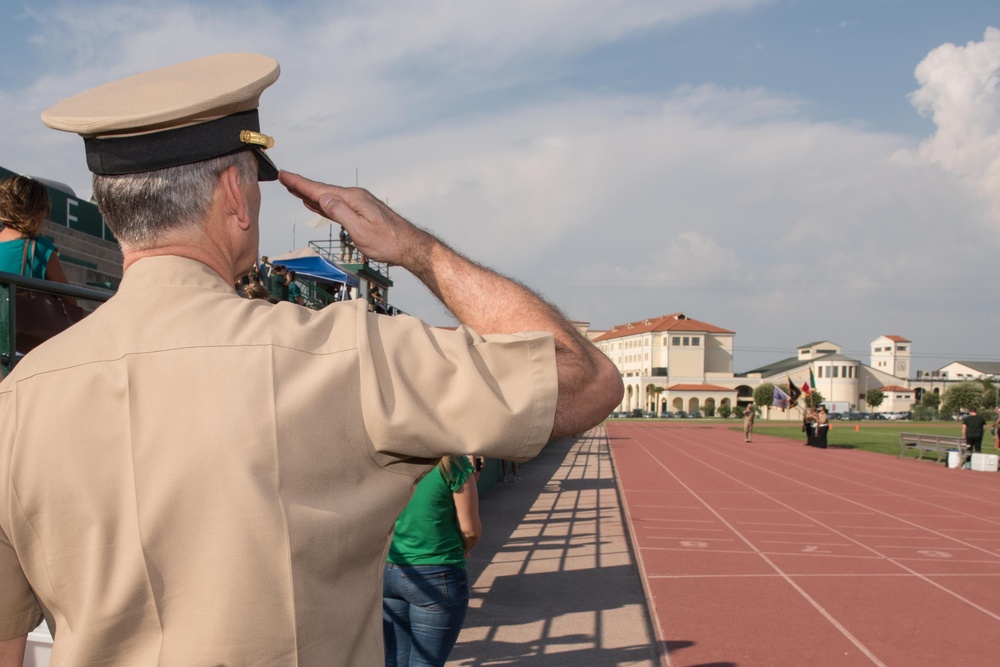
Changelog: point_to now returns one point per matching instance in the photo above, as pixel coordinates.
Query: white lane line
(677, 538)
(895, 561)
(657, 519)
(817, 544)
(788, 580)
(783, 532)
(772, 523)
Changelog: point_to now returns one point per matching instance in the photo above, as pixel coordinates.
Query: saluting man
(188, 477)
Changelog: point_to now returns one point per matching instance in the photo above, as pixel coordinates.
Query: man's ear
(234, 199)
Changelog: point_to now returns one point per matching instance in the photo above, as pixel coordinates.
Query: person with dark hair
(277, 284)
(24, 206)
(215, 480)
(973, 427)
(425, 587)
(809, 425)
(822, 427)
(294, 291)
(346, 246)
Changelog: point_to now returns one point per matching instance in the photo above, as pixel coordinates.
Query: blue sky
(792, 170)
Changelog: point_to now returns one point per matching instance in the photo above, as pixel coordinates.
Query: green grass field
(872, 436)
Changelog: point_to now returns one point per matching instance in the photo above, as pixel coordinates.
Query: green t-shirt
(427, 531)
(276, 286)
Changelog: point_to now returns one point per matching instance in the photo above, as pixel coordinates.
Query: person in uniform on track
(748, 418)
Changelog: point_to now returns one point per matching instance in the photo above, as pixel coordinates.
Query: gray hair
(141, 208)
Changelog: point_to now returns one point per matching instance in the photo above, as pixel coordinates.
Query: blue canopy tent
(307, 263)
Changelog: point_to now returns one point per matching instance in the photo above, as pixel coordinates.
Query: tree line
(956, 399)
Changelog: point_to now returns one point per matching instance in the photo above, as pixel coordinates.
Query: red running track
(774, 554)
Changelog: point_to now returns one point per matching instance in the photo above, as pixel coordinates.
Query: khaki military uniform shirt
(191, 478)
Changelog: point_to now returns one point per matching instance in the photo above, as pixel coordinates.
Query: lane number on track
(694, 545)
(815, 550)
(935, 554)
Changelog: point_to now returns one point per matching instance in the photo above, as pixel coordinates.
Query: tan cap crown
(184, 113)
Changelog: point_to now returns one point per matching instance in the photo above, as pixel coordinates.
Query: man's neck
(190, 251)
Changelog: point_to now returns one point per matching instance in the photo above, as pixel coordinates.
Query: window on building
(878, 349)
(696, 340)
(834, 371)
(901, 348)
(677, 340)
(687, 341)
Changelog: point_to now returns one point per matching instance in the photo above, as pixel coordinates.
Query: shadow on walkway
(554, 580)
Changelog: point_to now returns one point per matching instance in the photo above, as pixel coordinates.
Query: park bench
(938, 444)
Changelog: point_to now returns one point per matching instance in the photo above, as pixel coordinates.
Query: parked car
(694, 414)
(636, 412)
(667, 415)
(681, 414)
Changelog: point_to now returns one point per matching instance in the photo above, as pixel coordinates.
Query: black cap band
(173, 148)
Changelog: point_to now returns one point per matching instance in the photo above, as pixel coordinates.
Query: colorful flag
(794, 393)
(812, 378)
(780, 398)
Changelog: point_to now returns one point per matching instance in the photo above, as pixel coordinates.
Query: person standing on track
(822, 426)
(972, 431)
(748, 418)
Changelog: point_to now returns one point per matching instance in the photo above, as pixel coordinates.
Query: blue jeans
(423, 608)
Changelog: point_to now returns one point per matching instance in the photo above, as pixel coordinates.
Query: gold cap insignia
(250, 137)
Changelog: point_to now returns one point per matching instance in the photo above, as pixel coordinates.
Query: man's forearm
(589, 384)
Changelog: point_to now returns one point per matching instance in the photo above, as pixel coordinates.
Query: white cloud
(725, 203)
(960, 91)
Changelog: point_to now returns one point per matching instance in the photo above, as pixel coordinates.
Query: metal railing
(9, 284)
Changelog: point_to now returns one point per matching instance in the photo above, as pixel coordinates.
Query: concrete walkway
(554, 581)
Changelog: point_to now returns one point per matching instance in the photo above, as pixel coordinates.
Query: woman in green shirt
(425, 589)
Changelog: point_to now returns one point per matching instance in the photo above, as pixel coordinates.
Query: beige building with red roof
(674, 363)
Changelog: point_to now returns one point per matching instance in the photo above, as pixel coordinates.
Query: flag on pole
(780, 398)
(812, 380)
(794, 393)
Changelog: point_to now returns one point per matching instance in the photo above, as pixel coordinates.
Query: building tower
(891, 354)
